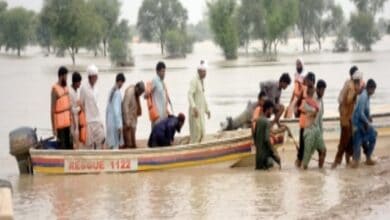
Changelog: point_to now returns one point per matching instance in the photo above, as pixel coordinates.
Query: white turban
(203, 66)
(92, 70)
(357, 75)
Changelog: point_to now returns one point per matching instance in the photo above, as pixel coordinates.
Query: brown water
(191, 193)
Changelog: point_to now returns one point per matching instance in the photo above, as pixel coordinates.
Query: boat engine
(20, 141)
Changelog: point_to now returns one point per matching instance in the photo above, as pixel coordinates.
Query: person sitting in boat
(273, 91)
(114, 121)
(258, 110)
(163, 133)
(131, 109)
(363, 131)
(313, 139)
(61, 117)
(265, 155)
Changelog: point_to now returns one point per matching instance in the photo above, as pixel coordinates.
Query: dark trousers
(301, 149)
(64, 139)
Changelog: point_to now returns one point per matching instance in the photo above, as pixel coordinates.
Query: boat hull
(227, 152)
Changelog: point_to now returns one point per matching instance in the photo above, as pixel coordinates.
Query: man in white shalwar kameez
(88, 99)
(198, 105)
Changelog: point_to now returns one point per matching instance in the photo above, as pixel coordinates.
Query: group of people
(307, 105)
(77, 123)
(76, 119)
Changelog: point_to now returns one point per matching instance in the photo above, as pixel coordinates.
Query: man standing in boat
(114, 121)
(347, 100)
(77, 129)
(363, 131)
(61, 117)
(265, 155)
(88, 99)
(273, 90)
(131, 109)
(198, 107)
(156, 95)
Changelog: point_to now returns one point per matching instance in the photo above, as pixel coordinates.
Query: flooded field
(194, 193)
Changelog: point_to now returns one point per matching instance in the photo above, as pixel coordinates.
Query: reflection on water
(24, 91)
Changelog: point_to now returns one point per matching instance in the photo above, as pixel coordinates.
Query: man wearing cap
(163, 133)
(131, 109)
(198, 105)
(88, 100)
(346, 107)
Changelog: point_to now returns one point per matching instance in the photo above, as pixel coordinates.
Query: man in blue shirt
(363, 131)
(163, 133)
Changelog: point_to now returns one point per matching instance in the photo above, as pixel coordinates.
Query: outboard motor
(20, 142)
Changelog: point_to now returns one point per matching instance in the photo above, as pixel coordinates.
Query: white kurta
(114, 120)
(197, 99)
(95, 128)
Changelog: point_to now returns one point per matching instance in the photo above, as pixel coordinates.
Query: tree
(178, 43)
(43, 33)
(341, 42)
(109, 11)
(251, 21)
(17, 28)
(120, 53)
(363, 29)
(280, 16)
(328, 17)
(3, 8)
(70, 22)
(362, 24)
(305, 21)
(156, 17)
(223, 24)
(201, 31)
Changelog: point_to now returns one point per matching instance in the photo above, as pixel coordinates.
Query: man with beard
(297, 95)
(61, 118)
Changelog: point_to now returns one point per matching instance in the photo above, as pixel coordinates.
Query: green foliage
(156, 17)
(17, 28)
(200, 32)
(280, 16)
(72, 23)
(369, 6)
(178, 43)
(3, 8)
(43, 32)
(223, 24)
(341, 42)
(120, 53)
(108, 11)
(363, 30)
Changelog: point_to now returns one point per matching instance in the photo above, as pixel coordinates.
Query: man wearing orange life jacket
(61, 117)
(156, 95)
(79, 125)
(309, 82)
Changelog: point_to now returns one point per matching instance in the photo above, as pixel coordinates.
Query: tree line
(66, 26)
(235, 23)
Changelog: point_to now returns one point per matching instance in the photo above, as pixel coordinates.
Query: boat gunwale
(177, 148)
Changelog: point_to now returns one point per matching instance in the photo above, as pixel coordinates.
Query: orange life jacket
(153, 112)
(62, 114)
(82, 127)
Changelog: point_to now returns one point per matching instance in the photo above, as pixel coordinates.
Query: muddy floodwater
(196, 193)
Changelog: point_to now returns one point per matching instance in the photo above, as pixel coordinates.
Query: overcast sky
(196, 8)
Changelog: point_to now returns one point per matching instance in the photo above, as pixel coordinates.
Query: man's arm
(52, 111)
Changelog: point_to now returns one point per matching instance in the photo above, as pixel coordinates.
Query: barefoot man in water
(363, 131)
